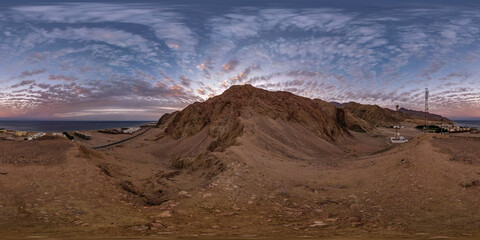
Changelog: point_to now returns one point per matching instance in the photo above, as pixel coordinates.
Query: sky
(108, 60)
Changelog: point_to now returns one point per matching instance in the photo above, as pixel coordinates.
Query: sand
(268, 178)
(360, 187)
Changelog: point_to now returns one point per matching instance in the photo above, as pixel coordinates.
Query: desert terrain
(246, 164)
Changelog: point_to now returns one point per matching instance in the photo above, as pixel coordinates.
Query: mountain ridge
(223, 115)
(385, 117)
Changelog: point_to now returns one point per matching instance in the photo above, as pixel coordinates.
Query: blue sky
(135, 61)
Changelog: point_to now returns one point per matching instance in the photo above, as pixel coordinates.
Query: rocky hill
(373, 114)
(413, 114)
(224, 115)
(385, 117)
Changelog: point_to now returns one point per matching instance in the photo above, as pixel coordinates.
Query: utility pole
(425, 128)
(396, 112)
(397, 125)
(397, 138)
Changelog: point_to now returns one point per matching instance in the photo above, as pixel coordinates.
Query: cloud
(23, 83)
(243, 75)
(44, 85)
(185, 81)
(167, 25)
(105, 53)
(114, 37)
(230, 65)
(61, 78)
(27, 73)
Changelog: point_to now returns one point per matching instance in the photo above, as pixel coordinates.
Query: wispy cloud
(23, 83)
(61, 78)
(174, 54)
(27, 73)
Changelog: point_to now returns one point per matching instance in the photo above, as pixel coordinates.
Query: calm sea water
(468, 123)
(62, 126)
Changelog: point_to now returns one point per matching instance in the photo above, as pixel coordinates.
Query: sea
(467, 123)
(63, 126)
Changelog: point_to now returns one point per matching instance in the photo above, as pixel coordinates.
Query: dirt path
(121, 141)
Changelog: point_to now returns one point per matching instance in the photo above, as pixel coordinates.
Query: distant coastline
(63, 126)
(467, 123)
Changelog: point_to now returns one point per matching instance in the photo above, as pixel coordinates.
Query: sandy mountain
(420, 115)
(373, 114)
(226, 115)
(385, 117)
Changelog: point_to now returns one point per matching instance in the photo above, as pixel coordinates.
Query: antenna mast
(397, 124)
(397, 138)
(425, 128)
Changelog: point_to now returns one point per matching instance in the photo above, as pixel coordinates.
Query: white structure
(397, 138)
(35, 136)
(131, 130)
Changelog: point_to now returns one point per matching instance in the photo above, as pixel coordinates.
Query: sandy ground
(273, 182)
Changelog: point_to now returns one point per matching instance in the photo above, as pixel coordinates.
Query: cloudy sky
(135, 61)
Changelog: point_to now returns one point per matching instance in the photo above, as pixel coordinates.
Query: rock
(206, 195)
(182, 163)
(165, 214)
(207, 206)
(470, 184)
(155, 225)
(141, 228)
(319, 224)
(82, 135)
(184, 194)
(79, 212)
